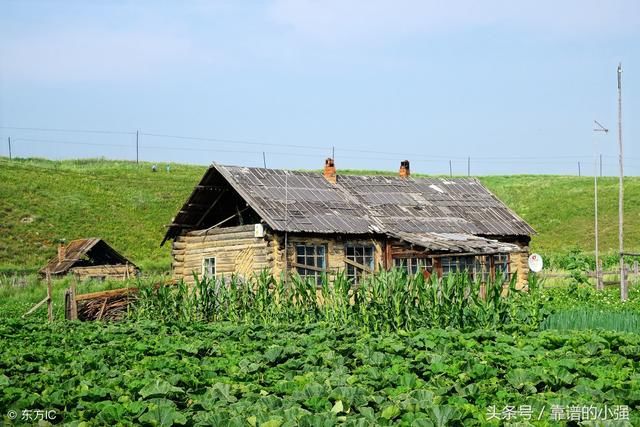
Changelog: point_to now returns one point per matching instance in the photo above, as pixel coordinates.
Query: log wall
(236, 250)
(118, 271)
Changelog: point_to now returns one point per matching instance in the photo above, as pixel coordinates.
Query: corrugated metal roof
(297, 201)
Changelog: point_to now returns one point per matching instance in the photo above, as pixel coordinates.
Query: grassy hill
(128, 205)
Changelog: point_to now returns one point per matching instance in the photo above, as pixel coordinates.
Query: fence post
(599, 276)
(73, 304)
(49, 296)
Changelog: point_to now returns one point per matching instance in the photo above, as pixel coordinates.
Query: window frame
(205, 270)
(306, 255)
(368, 260)
(412, 265)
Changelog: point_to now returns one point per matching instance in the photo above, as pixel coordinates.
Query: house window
(459, 264)
(361, 255)
(414, 265)
(208, 268)
(482, 268)
(501, 263)
(311, 261)
(478, 267)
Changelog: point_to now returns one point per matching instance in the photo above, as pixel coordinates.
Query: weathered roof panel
(456, 242)
(79, 250)
(297, 201)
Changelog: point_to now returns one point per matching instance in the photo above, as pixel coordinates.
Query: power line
(231, 141)
(69, 142)
(38, 129)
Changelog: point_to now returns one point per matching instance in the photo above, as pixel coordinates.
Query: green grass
(128, 205)
(42, 201)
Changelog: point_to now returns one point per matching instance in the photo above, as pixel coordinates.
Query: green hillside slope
(128, 205)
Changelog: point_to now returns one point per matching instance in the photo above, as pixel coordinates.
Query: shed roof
(297, 201)
(84, 252)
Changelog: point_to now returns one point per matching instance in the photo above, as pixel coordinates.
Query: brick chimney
(62, 252)
(330, 170)
(405, 172)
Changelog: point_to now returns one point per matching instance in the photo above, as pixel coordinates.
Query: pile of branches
(107, 308)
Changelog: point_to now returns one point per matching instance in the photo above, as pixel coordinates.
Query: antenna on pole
(624, 291)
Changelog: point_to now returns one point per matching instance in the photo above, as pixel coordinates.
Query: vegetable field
(314, 375)
(243, 358)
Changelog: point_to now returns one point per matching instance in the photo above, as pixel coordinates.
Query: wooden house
(89, 259)
(242, 220)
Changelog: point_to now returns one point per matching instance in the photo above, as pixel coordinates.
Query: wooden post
(49, 300)
(599, 276)
(73, 305)
(67, 304)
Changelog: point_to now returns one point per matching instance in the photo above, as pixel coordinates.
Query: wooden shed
(242, 220)
(90, 258)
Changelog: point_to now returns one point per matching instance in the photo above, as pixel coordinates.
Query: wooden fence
(631, 273)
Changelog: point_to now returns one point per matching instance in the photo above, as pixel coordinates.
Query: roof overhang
(456, 243)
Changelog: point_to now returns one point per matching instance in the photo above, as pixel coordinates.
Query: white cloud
(338, 21)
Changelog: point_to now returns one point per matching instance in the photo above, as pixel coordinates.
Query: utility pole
(264, 159)
(469, 166)
(137, 151)
(601, 165)
(9, 139)
(600, 128)
(450, 169)
(624, 291)
(579, 171)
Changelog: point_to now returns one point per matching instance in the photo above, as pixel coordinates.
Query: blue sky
(513, 85)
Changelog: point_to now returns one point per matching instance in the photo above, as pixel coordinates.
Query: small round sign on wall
(535, 263)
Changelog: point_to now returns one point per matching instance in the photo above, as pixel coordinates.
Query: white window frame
(204, 267)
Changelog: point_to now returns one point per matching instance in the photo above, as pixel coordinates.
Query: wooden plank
(358, 265)
(204, 215)
(308, 267)
(73, 306)
(105, 294)
(104, 304)
(224, 230)
(35, 307)
(210, 187)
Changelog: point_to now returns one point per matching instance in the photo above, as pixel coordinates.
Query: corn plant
(386, 301)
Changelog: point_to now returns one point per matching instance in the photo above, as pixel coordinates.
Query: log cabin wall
(236, 250)
(116, 271)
